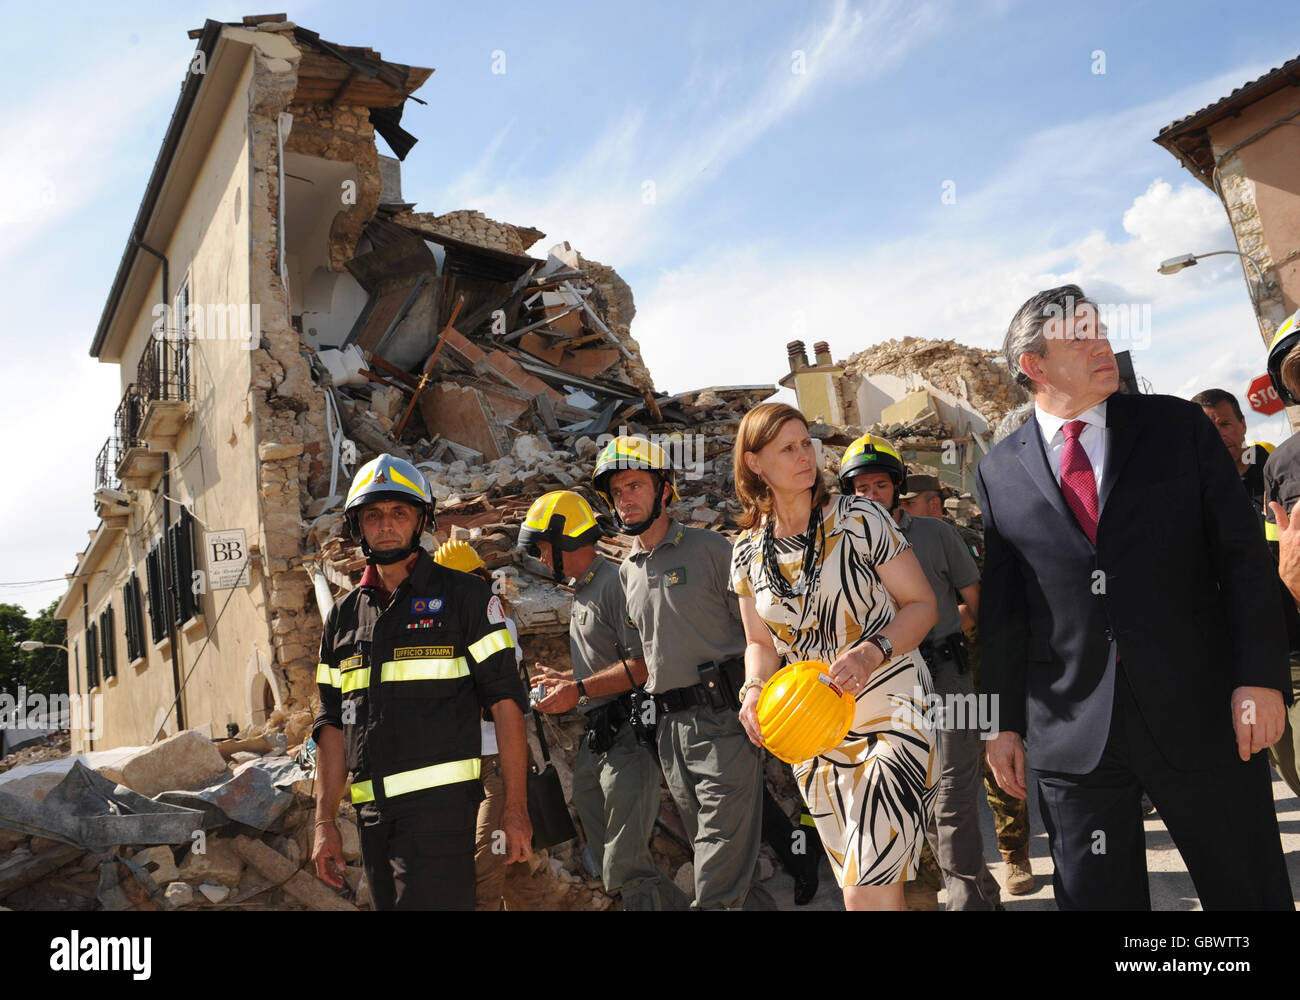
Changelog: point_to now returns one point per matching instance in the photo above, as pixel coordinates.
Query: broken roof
(1188, 138)
(328, 73)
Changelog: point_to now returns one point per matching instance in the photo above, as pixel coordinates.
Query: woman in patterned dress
(824, 577)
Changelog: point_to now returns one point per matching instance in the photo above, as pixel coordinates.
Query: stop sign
(1263, 397)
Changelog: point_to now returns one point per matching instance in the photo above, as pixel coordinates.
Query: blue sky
(784, 204)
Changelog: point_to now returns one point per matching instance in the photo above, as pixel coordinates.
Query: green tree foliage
(43, 671)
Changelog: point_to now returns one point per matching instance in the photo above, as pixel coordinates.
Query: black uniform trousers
(1222, 820)
(422, 861)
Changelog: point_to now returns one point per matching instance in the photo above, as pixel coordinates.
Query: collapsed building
(281, 315)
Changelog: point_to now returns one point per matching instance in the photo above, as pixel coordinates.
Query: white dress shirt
(1093, 439)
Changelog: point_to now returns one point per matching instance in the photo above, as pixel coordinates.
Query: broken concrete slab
(463, 415)
(184, 761)
(89, 809)
(217, 863)
(256, 793)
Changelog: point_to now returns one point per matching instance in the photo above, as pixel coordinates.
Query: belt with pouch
(718, 688)
(612, 714)
(605, 722)
(950, 649)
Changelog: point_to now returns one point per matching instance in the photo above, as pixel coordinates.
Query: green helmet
(870, 453)
(623, 454)
(388, 478)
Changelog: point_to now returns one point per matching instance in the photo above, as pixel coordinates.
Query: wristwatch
(751, 683)
(884, 645)
(583, 697)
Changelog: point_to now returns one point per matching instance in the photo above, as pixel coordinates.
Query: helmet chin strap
(557, 553)
(640, 526)
(386, 557)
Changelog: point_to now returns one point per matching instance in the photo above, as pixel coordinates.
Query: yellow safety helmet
(802, 712)
(389, 478)
(868, 454)
(458, 554)
(561, 519)
(1287, 336)
(624, 453)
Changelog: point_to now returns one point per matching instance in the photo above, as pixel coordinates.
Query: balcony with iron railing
(106, 467)
(112, 503)
(164, 384)
(138, 467)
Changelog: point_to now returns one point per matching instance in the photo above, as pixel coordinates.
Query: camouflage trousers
(1010, 814)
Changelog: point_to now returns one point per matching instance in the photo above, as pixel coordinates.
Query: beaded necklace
(776, 580)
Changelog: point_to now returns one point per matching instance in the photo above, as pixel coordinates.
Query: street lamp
(1175, 264)
(31, 645)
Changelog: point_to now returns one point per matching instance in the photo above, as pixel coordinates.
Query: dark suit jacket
(1180, 578)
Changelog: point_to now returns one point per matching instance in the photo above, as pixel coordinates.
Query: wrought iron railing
(126, 423)
(106, 467)
(164, 369)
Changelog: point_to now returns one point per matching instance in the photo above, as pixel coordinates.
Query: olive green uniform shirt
(677, 599)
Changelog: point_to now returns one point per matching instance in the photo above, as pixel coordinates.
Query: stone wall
(287, 406)
(1248, 229)
(475, 227)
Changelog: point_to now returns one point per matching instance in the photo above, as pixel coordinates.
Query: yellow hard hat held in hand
(802, 713)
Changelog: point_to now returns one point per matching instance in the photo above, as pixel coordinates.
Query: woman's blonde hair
(758, 429)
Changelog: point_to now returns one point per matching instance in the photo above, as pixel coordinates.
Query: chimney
(798, 356)
(822, 352)
(390, 179)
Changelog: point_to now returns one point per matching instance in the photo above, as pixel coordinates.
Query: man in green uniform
(675, 580)
(615, 778)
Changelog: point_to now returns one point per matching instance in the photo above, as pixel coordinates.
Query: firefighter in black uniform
(408, 662)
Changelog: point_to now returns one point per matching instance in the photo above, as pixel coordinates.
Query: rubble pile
(975, 375)
(462, 347)
(185, 823)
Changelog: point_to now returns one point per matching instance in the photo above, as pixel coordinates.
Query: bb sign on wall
(227, 559)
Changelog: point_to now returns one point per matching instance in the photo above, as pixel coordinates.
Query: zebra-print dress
(873, 795)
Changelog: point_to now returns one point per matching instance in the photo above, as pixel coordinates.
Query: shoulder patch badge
(496, 614)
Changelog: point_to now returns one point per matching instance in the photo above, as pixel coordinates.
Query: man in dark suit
(1131, 627)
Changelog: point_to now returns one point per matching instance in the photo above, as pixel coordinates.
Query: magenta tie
(1077, 481)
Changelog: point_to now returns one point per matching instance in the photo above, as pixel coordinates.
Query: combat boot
(1018, 875)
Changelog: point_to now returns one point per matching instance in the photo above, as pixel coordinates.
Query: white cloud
(61, 150)
(692, 319)
(599, 200)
